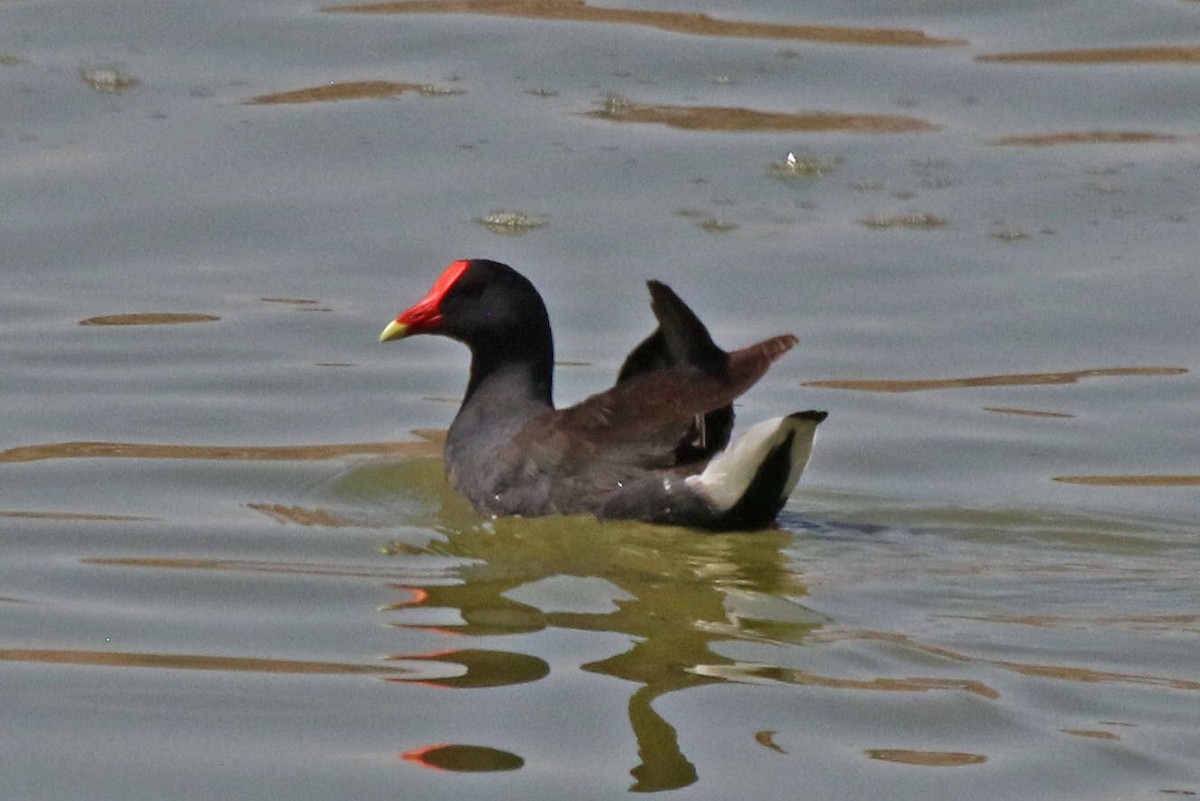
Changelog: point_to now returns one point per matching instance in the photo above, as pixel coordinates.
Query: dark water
(230, 566)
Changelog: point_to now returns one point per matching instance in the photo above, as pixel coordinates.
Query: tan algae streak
(1150, 480)
(302, 516)
(929, 759)
(719, 118)
(1104, 55)
(72, 516)
(1087, 138)
(251, 453)
(1095, 734)
(151, 318)
(1018, 379)
(327, 93)
(674, 21)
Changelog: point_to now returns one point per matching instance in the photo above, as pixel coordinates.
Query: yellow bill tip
(395, 330)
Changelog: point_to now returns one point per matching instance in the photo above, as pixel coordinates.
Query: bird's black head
(492, 309)
(474, 301)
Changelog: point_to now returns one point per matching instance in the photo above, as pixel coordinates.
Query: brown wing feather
(641, 419)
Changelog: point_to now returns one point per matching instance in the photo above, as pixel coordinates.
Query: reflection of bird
(651, 448)
(643, 583)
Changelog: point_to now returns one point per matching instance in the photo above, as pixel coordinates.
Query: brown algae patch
(766, 739)
(728, 118)
(930, 759)
(73, 516)
(1103, 55)
(1016, 379)
(1086, 138)
(917, 222)
(132, 450)
(151, 318)
(332, 92)
(301, 516)
(1150, 480)
(674, 21)
(1095, 734)
(1090, 676)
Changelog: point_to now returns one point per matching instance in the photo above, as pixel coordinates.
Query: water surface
(231, 566)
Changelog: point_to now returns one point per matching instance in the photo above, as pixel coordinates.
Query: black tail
(681, 339)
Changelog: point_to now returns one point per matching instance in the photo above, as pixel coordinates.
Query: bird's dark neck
(521, 368)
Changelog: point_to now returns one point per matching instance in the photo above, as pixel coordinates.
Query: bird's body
(650, 448)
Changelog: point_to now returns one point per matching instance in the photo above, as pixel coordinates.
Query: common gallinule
(652, 448)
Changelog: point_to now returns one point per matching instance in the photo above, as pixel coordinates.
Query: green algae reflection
(673, 593)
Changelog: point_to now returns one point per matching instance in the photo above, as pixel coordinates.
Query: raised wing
(641, 421)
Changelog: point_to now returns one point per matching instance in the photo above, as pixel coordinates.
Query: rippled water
(231, 567)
